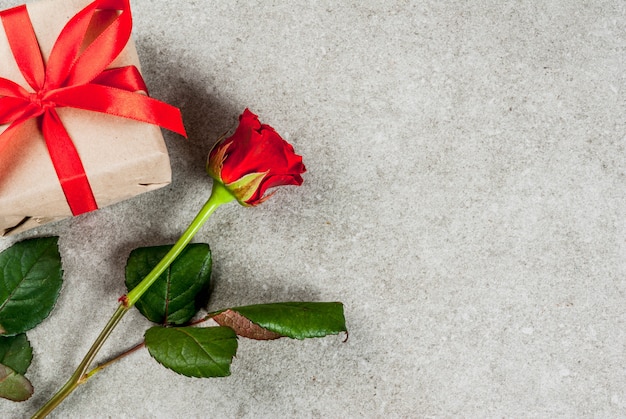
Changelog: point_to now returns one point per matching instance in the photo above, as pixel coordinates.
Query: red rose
(254, 159)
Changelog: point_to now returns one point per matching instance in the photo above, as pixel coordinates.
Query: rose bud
(254, 159)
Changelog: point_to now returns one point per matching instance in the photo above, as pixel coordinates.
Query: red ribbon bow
(75, 76)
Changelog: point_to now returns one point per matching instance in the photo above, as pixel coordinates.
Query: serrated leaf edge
(295, 304)
(207, 262)
(11, 373)
(28, 347)
(228, 372)
(55, 243)
(26, 273)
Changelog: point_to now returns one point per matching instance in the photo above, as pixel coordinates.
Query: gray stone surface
(464, 198)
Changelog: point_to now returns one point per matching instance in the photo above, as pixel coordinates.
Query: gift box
(79, 130)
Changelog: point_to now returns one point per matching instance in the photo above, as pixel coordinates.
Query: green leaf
(295, 320)
(14, 386)
(15, 356)
(30, 281)
(178, 294)
(16, 352)
(193, 351)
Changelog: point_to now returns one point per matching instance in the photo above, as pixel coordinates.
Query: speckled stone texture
(465, 198)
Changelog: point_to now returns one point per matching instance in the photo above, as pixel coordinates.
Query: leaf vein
(24, 276)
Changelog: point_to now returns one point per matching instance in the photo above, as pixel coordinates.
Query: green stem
(219, 196)
(75, 379)
(102, 366)
(135, 348)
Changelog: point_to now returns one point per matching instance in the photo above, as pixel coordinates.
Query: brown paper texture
(122, 157)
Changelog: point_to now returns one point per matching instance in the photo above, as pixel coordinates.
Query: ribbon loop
(76, 76)
(21, 36)
(68, 64)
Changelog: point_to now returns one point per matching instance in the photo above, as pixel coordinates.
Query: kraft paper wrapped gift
(121, 157)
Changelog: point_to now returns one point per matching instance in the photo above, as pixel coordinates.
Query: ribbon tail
(67, 165)
(118, 102)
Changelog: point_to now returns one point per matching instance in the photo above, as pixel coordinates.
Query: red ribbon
(75, 76)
